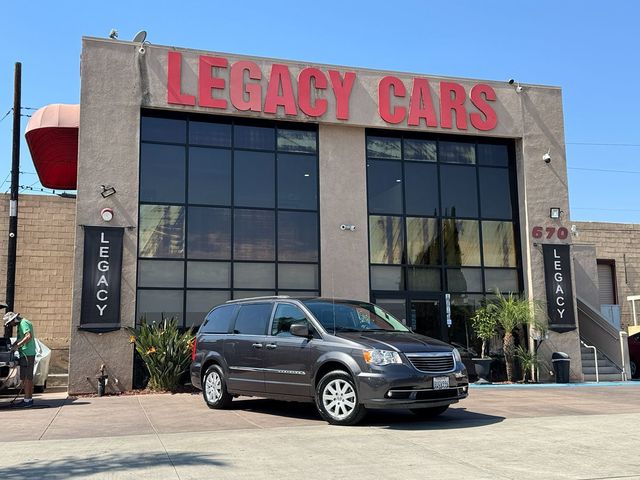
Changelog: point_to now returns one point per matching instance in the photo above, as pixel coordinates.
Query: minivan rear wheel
(337, 399)
(214, 389)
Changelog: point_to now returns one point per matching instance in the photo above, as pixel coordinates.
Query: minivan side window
(285, 316)
(253, 319)
(219, 319)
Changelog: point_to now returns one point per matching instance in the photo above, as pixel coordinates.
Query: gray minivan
(346, 356)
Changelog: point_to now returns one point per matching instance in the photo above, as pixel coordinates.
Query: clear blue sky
(588, 48)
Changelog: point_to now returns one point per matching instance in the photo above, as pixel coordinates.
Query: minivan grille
(433, 363)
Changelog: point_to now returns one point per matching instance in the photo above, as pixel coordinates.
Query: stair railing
(595, 358)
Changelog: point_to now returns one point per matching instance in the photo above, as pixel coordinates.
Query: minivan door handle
(256, 345)
(271, 346)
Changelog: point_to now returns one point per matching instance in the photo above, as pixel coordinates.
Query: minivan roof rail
(268, 297)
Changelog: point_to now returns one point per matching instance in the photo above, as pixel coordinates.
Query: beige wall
(44, 266)
(619, 242)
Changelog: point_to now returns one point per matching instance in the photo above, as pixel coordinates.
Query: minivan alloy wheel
(339, 399)
(213, 387)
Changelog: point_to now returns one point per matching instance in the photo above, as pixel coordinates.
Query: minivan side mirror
(299, 330)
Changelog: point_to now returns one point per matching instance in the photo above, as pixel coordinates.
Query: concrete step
(57, 380)
(590, 362)
(609, 377)
(602, 370)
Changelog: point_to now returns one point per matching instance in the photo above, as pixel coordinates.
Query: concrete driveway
(498, 433)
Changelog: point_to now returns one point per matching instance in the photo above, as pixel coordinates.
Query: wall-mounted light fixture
(555, 213)
(107, 191)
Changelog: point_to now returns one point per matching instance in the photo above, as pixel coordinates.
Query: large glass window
(227, 210)
(441, 214)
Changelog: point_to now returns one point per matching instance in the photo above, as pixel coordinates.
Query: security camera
(511, 81)
(343, 227)
(142, 50)
(519, 89)
(547, 157)
(352, 228)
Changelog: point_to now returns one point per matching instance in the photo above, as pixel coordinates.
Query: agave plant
(165, 350)
(511, 313)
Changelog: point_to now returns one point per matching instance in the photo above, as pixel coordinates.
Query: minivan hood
(406, 342)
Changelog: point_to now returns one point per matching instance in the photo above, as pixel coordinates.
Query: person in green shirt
(26, 345)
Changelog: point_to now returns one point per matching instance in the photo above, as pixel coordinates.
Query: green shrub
(485, 324)
(528, 361)
(166, 351)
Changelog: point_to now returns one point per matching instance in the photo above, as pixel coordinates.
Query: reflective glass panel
(169, 130)
(424, 279)
(160, 273)
(504, 280)
(200, 302)
(297, 182)
(296, 141)
(297, 236)
(495, 193)
(213, 134)
(459, 194)
(495, 155)
(498, 244)
(162, 173)
(154, 305)
(421, 189)
(386, 239)
(257, 138)
(298, 276)
(254, 235)
(457, 152)
(253, 319)
(423, 241)
(464, 279)
(208, 275)
(463, 308)
(161, 231)
(461, 242)
(238, 294)
(209, 233)
(381, 147)
(254, 275)
(209, 176)
(384, 186)
(220, 319)
(386, 278)
(254, 179)
(421, 150)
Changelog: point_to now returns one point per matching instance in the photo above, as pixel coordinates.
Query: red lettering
(238, 88)
(342, 92)
(384, 99)
(174, 81)
(304, 92)
(490, 119)
(207, 82)
(280, 80)
(420, 105)
(449, 103)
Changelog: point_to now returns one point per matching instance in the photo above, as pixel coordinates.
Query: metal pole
(13, 203)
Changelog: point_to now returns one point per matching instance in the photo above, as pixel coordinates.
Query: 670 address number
(549, 232)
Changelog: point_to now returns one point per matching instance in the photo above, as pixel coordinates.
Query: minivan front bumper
(398, 388)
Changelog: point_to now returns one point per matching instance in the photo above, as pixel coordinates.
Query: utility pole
(13, 203)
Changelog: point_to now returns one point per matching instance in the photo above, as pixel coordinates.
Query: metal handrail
(623, 343)
(595, 358)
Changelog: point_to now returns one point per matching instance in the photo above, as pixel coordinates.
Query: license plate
(440, 383)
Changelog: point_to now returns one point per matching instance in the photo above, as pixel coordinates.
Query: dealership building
(203, 177)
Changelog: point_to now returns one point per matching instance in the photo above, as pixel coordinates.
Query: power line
(602, 170)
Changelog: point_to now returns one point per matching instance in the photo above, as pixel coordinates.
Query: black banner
(557, 277)
(101, 273)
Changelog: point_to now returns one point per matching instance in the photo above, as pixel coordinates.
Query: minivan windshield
(341, 316)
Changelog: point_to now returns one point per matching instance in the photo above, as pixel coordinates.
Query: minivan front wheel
(214, 389)
(337, 399)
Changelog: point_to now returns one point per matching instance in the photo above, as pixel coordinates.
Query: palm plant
(511, 313)
(528, 361)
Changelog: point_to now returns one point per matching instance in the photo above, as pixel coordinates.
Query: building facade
(236, 176)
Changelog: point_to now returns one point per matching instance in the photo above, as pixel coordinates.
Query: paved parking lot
(497, 433)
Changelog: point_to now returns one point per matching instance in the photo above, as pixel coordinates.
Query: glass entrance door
(425, 318)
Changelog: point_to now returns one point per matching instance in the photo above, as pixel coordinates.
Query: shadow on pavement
(6, 402)
(104, 465)
(394, 419)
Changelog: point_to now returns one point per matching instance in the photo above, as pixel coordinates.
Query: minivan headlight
(381, 357)
(456, 355)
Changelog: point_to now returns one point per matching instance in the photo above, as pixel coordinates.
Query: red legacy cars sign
(240, 84)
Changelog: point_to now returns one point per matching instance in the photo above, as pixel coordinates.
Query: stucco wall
(44, 267)
(619, 242)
